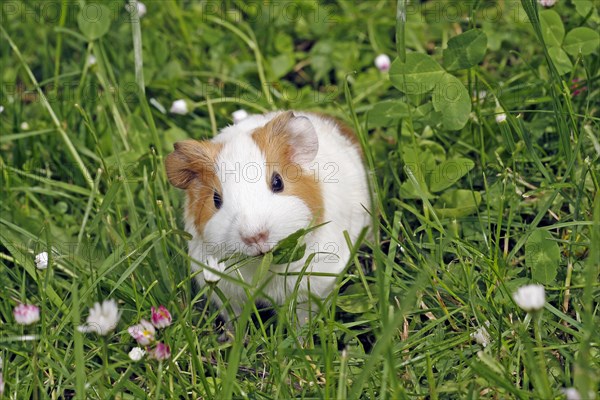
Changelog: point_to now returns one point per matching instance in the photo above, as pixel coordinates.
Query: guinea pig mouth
(257, 249)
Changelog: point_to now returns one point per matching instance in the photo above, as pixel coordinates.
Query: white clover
(547, 3)
(139, 11)
(136, 354)
(571, 394)
(481, 335)
(41, 260)
(239, 115)
(1, 109)
(213, 263)
(91, 60)
(179, 107)
(530, 297)
(383, 62)
(24, 126)
(103, 318)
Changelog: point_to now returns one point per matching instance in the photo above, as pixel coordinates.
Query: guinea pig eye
(217, 200)
(276, 183)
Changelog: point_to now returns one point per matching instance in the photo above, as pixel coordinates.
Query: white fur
(249, 207)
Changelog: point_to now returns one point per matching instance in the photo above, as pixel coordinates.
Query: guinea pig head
(251, 189)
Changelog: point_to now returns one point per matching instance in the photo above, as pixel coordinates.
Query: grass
(469, 206)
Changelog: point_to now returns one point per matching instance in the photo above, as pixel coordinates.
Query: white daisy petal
(103, 318)
(530, 297)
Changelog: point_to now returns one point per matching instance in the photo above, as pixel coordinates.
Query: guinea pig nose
(259, 238)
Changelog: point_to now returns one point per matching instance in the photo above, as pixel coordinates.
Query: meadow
(482, 145)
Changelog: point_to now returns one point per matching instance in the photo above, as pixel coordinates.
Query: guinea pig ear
(189, 161)
(303, 139)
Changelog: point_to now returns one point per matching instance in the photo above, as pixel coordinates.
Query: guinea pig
(259, 181)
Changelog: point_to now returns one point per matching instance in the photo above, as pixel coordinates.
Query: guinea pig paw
(213, 263)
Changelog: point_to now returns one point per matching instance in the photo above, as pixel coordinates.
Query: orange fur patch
(192, 167)
(272, 141)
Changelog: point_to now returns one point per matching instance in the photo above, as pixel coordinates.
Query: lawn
(482, 145)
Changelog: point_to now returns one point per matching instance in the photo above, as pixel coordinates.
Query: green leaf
(286, 255)
(457, 203)
(582, 40)
(495, 36)
(561, 60)
(448, 173)
(170, 71)
(419, 74)
(289, 249)
(465, 50)
(584, 7)
(419, 163)
(387, 113)
(492, 371)
(408, 190)
(282, 64)
(284, 43)
(553, 29)
(94, 21)
(437, 151)
(355, 299)
(542, 256)
(452, 99)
